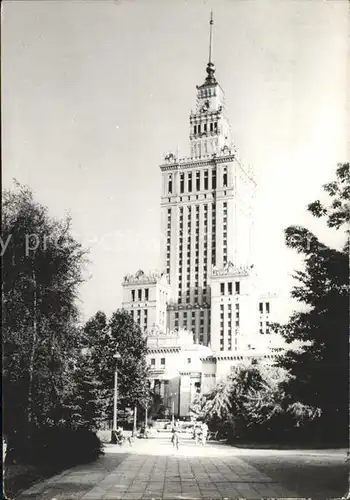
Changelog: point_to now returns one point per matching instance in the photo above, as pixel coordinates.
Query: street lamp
(173, 394)
(115, 405)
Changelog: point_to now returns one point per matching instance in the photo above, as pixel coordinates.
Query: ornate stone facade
(202, 312)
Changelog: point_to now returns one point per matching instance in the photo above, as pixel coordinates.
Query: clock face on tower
(205, 106)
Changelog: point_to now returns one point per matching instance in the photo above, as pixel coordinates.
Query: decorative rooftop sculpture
(140, 277)
(231, 270)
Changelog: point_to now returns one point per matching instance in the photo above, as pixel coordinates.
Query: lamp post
(173, 394)
(115, 403)
(189, 406)
(134, 430)
(146, 416)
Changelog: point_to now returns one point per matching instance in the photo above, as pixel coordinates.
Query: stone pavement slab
(154, 471)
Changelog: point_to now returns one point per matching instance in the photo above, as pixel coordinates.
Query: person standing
(175, 436)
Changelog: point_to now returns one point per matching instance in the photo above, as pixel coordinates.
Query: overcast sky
(94, 92)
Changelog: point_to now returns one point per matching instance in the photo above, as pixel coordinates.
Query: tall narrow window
(229, 288)
(206, 184)
(195, 129)
(182, 183)
(198, 181)
(168, 242)
(238, 287)
(267, 305)
(224, 178)
(222, 288)
(213, 179)
(139, 293)
(146, 293)
(189, 182)
(199, 129)
(213, 231)
(170, 184)
(261, 310)
(205, 127)
(211, 127)
(133, 295)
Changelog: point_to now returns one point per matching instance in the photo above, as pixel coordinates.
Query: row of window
(192, 181)
(263, 309)
(205, 256)
(189, 241)
(229, 344)
(185, 297)
(136, 316)
(189, 323)
(229, 309)
(224, 243)
(230, 288)
(162, 362)
(264, 328)
(181, 247)
(140, 294)
(213, 127)
(229, 326)
(206, 92)
(168, 242)
(213, 235)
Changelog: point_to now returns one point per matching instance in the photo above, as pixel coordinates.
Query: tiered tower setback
(206, 209)
(202, 313)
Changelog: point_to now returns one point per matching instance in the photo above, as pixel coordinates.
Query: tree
(120, 334)
(338, 211)
(251, 403)
(319, 368)
(91, 398)
(42, 268)
(265, 400)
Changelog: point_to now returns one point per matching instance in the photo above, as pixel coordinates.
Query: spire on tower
(211, 35)
(210, 79)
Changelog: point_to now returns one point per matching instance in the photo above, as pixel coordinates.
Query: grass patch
(290, 446)
(19, 477)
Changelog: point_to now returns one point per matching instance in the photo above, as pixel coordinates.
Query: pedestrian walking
(175, 436)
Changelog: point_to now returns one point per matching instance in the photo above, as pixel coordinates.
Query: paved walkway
(152, 469)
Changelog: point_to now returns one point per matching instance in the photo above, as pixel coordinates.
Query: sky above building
(94, 93)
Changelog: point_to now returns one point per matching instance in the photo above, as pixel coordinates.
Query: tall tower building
(201, 313)
(206, 205)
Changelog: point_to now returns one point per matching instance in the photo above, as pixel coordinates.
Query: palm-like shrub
(251, 403)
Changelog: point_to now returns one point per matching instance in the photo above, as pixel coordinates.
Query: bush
(55, 445)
